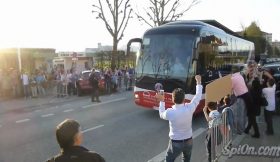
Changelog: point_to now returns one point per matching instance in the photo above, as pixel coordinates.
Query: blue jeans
(176, 148)
(239, 112)
(108, 86)
(26, 90)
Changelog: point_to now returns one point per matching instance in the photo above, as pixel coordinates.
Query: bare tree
(243, 31)
(115, 20)
(162, 11)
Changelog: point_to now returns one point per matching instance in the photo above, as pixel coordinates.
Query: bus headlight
(136, 96)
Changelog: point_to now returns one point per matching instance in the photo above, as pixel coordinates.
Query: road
(116, 128)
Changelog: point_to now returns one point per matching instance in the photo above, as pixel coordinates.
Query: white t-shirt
(213, 115)
(68, 77)
(25, 80)
(269, 94)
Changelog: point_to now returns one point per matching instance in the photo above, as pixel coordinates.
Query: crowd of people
(259, 85)
(59, 82)
(250, 87)
(112, 80)
(253, 89)
(116, 79)
(14, 84)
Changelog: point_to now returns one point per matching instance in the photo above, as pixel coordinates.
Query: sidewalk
(260, 144)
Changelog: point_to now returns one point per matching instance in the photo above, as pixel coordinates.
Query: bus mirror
(139, 40)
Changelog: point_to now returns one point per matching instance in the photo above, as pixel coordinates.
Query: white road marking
(56, 107)
(160, 157)
(102, 103)
(68, 110)
(65, 105)
(198, 132)
(22, 121)
(46, 115)
(90, 129)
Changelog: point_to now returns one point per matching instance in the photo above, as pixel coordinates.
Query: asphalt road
(116, 128)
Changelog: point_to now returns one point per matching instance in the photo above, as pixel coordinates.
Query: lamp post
(19, 59)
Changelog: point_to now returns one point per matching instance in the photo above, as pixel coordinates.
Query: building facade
(267, 37)
(276, 44)
(78, 61)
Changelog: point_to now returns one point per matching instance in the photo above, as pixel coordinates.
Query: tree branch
(194, 2)
(162, 11)
(128, 17)
(126, 7)
(110, 7)
(167, 2)
(173, 8)
(102, 16)
(140, 18)
(116, 18)
(94, 6)
(119, 5)
(157, 10)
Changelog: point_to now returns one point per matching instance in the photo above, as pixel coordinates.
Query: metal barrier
(59, 88)
(221, 131)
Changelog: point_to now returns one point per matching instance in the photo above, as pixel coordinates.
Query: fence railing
(222, 131)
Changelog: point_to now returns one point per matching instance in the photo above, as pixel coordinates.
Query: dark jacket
(256, 94)
(77, 154)
(93, 81)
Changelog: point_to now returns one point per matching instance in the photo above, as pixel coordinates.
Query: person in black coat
(255, 109)
(94, 80)
(69, 138)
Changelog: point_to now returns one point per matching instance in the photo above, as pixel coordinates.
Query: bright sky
(69, 24)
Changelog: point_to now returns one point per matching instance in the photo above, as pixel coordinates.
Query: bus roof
(196, 25)
(221, 26)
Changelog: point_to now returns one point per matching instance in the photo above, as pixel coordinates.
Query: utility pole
(19, 59)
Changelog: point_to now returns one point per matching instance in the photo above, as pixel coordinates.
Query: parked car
(83, 84)
(274, 70)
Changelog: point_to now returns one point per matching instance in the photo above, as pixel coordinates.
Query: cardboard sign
(218, 89)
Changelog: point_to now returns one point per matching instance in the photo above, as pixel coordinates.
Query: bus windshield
(165, 56)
